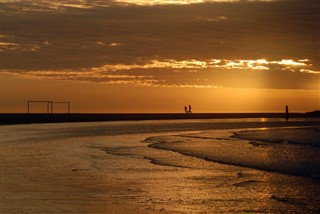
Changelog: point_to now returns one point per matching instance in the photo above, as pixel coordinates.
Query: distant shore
(23, 118)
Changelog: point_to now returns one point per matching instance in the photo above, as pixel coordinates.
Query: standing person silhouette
(190, 109)
(185, 109)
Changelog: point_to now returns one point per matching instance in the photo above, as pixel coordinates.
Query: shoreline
(24, 118)
(200, 145)
(110, 168)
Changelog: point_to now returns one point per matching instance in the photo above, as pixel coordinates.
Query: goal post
(49, 105)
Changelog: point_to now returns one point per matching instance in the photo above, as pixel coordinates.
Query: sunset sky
(126, 56)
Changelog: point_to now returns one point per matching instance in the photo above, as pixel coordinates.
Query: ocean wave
(292, 151)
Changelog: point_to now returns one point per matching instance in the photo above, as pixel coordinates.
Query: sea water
(195, 166)
(286, 150)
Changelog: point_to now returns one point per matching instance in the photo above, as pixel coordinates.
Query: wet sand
(66, 176)
(42, 172)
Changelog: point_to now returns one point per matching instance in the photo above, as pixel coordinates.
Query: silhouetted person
(185, 109)
(189, 109)
(287, 113)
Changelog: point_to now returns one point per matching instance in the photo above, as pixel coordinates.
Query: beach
(170, 166)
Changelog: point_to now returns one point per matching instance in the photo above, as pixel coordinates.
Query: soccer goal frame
(49, 105)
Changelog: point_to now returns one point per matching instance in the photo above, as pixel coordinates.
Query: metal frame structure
(49, 105)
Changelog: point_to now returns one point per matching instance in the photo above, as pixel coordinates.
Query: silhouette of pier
(25, 118)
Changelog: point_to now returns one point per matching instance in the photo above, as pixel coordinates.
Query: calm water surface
(196, 166)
